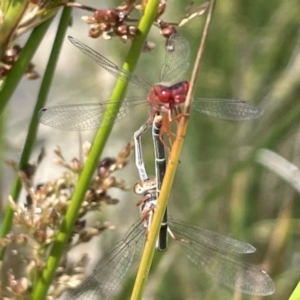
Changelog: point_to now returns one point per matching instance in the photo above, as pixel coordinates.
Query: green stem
(101, 137)
(20, 66)
(296, 293)
(168, 179)
(33, 127)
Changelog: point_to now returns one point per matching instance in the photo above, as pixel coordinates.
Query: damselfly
(166, 96)
(214, 253)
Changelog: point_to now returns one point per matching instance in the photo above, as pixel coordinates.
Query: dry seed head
(109, 16)
(111, 201)
(110, 22)
(79, 225)
(127, 5)
(57, 151)
(88, 19)
(161, 8)
(19, 286)
(54, 218)
(4, 242)
(46, 205)
(132, 30)
(37, 11)
(79, 269)
(21, 239)
(105, 27)
(60, 162)
(40, 236)
(86, 149)
(29, 170)
(10, 57)
(4, 70)
(95, 31)
(64, 278)
(140, 7)
(75, 165)
(12, 164)
(109, 182)
(74, 281)
(32, 75)
(106, 166)
(30, 268)
(12, 203)
(125, 151)
(88, 233)
(91, 196)
(121, 30)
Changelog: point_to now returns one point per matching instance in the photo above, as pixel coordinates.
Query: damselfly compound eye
(138, 188)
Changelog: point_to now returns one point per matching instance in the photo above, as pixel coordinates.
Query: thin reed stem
(296, 293)
(149, 249)
(9, 86)
(21, 65)
(98, 145)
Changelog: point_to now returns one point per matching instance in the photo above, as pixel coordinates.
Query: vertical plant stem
(296, 293)
(149, 249)
(33, 127)
(237, 204)
(20, 66)
(7, 90)
(100, 139)
(2, 142)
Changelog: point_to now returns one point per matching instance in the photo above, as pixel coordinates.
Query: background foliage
(252, 53)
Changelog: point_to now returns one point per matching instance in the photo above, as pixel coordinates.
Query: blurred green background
(252, 53)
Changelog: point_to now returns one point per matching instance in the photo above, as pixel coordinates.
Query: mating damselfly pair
(214, 253)
(206, 249)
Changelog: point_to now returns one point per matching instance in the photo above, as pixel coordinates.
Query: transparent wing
(208, 238)
(220, 266)
(176, 60)
(227, 109)
(112, 267)
(108, 65)
(84, 116)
